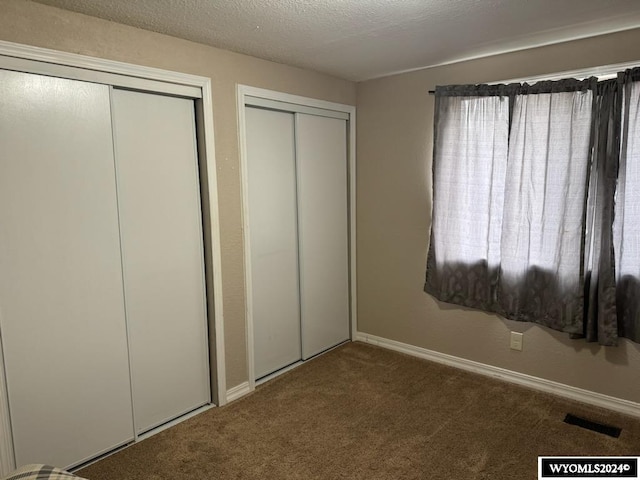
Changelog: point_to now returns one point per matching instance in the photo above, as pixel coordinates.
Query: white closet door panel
(61, 298)
(273, 239)
(321, 153)
(160, 219)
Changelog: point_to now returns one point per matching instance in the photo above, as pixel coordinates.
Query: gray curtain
(626, 231)
(531, 217)
(600, 320)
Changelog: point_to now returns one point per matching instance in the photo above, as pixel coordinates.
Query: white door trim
(152, 79)
(97, 65)
(245, 94)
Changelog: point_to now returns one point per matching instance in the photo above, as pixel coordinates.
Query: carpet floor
(363, 412)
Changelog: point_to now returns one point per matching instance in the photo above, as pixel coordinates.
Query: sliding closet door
(160, 219)
(321, 154)
(61, 298)
(273, 239)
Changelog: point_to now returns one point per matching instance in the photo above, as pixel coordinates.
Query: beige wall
(35, 24)
(394, 134)
(394, 149)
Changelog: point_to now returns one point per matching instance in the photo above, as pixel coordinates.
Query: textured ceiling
(363, 39)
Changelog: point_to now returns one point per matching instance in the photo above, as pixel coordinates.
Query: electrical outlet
(516, 341)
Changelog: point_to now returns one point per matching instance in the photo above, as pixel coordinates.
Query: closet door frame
(55, 63)
(258, 97)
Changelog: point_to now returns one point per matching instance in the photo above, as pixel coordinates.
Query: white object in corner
(586, 396)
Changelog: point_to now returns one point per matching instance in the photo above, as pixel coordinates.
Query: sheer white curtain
(627, 219)
(470, 179)
(536, 203)
(510, 175)
(471, 146)
(542, 234)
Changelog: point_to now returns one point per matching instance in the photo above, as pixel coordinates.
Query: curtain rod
(603, 72)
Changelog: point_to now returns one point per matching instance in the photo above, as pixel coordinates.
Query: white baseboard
(586, 396)
(238, 391)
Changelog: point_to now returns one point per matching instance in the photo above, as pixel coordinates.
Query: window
(528, 180)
